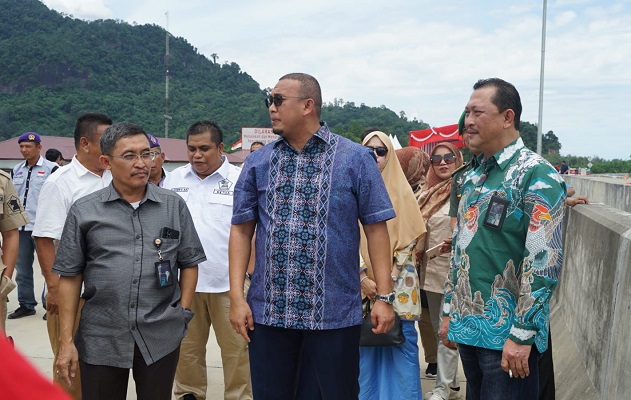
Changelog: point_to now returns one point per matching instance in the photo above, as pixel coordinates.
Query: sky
(421, 57)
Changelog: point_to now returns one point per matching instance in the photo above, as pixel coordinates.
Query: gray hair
(118, 131)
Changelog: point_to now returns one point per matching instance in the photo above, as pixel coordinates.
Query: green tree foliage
(56, 67)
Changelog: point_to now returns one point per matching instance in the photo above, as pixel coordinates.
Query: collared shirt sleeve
(544, 202)
(54, 208)
(70, 259)
(373, 201)
(245, 206)
(190, 251)
(12, 214)
(454, 197)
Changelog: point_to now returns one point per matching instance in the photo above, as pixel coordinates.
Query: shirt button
(135, 281)
(133, 328)
(133, 306)
(137, 258)
(137, 236)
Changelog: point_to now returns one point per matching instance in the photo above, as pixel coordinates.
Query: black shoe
(430, 372)
(21, 312)
(188, 397)
(45, 316)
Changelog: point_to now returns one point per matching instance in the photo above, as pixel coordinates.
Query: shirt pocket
(18, 180)
(219, 206)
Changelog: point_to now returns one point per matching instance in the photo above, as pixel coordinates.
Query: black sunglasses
(277, 99)
(449, 158)
(379, 151)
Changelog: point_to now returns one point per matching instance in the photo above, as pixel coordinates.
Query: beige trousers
(52, 323)
(213, 309)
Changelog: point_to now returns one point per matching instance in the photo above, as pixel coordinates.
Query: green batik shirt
(507, 252)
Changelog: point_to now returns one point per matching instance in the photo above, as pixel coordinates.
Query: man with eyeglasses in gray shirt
(125, 244)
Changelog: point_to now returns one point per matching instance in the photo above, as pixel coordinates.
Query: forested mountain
(55, 67)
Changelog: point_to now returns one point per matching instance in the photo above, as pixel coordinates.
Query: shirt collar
(39, 162)
(504, 157)
(323, 134)
(111, 194)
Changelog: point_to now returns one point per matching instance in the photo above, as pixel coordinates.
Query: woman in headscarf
(434, 205)
(415, 164)
(392, 372)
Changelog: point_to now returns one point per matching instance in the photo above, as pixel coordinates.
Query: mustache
(140, 171)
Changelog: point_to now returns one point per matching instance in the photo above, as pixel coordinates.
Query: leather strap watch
(386, 298)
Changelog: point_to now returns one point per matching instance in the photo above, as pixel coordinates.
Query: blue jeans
(487, 380)
(24, 271)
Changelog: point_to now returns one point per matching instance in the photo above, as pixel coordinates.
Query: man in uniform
(28, 178)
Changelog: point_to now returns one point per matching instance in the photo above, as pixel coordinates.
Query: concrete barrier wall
(591, 311)
(613, 192)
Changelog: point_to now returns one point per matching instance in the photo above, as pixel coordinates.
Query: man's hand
(67, 362)
(515, 359)
(382, 317)
(241, 317)
(571, 201)
(51, 300)
(444, 329)
(369, 288)
(446, 247)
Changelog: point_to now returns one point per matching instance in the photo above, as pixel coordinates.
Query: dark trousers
(153, 382)
(486, 380)
(277, 355)
(546, 373)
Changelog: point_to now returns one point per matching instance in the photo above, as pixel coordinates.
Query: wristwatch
(386, 298)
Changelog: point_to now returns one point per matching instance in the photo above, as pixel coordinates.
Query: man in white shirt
(81, 177)
(207, 186)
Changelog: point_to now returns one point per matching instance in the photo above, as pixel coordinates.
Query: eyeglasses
(449, 158)
(132, 157)
(379, 151)
(278, 99)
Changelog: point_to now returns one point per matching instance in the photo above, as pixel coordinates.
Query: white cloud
(84, 9)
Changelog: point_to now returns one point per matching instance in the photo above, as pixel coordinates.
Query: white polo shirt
(68, 184)
(210, 203)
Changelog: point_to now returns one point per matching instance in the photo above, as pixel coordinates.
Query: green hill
(56, 67)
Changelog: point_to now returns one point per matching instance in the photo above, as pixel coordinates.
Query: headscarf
(435, 193)
(408, 224)
(415, 164)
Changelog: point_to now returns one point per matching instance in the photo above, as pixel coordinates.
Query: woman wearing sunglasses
(434, 205)
(392, 372)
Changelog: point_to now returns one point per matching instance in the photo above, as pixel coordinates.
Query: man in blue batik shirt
(305, 195)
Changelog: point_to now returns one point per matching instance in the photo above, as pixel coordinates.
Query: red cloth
(19, 380)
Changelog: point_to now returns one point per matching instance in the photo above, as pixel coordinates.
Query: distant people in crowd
(564, 168)
(255, 146)
(28, 177)
(157, 174)
(54, 155)
(135, 314)
(504, 272)
(434, 204)
(415, 164)
(557, 167)
(305, 193)
(12, 217)
(82, 176)
(207, 186)
(392, 372)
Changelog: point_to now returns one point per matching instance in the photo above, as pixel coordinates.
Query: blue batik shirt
(308, 206)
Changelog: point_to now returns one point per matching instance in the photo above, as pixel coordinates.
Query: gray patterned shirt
(112, 245)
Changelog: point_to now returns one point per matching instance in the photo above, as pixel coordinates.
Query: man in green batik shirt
(507, 252)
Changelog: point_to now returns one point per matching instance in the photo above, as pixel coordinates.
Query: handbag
(367, 338)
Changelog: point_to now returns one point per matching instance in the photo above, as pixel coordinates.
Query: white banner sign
(251, 135)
